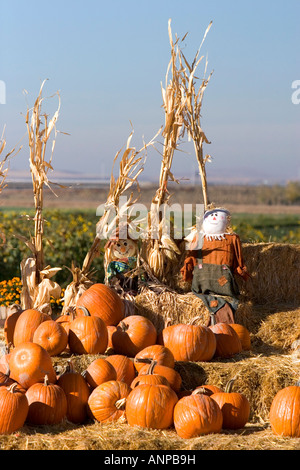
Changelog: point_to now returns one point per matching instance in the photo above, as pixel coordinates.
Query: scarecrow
(214, 258)
(121, 256)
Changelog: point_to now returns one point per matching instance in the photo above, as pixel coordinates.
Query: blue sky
(108, 59)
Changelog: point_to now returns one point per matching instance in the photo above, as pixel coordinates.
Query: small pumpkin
(26, 325)
(107, 401)
(47, 403)
(13, 409)
(29, 363)
(133, 334)
(228, 342)
(88, 334)
(123, 366)
(77, 393)
(173, 377)
(98, 372)
(196, 415)
(158, 353)
(235, 407)
(52, 337)
(244, 335)
(104, 302)
(10, 324)
(151, 406)
(284, 412)
(189, 342)
(150, 378)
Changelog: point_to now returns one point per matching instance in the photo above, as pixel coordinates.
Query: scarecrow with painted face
(214, 258)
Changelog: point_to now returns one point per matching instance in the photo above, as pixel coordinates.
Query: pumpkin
(13, 409)
(244, 335)
(88, 334)
(52, 337)
(65, 320)
(77, 393)
(235, 407)
(26, 325)
(150, 378)
(133, 334)
(151, 406)
(29, 363)
(196, 415)
(47, 403)
(107, 401)
(124, 368)
(10, 324)
(99, 371)
(194, 343)
(158, 353)
(173, 377)
(284, 412)
(110, 329)
(104, 302)
(228, 342)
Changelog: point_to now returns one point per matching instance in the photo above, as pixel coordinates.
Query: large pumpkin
(77, 394)
(47, 403)
(13, 409)
(285, 412)
(104, 302)
(196, 415)
(52, 337)
(228, 342)
(158, 353)
(235, 407)
(107, 401)
(26, 325)
(133, 334)
(88, 334)
(29, 363)
(151, 406)
(195, 343)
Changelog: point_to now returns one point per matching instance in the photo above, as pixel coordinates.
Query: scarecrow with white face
(214, 258)
(121, 261)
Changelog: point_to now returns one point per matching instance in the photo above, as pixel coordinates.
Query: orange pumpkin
(158, 353)
(173, 377)
(88, 334)
(196, 415)
(124, 368)
(10, 324)
(26, 325)
(47, 403)
(151, 406)
(235, 407)
(99, 371)
(194, 343)
(244, 335)
(284, 412)
(52, 337)
(228, 342)
(150, 378)
(104, 302)
(77, 394)
(29, 363)
(133, 334)
(107, 401)
(13, 409)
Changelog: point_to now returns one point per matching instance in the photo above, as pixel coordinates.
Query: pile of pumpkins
(136, 383)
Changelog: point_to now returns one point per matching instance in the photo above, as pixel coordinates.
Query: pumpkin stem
(12, 387)
(124, 327)
(229, 386)
(46, 380)
(120, 404)
(85, 311)
(202, 391)
(151, 367)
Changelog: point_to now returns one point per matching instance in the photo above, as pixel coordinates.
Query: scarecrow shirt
(121, 266)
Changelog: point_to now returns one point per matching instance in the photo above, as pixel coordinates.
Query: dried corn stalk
(192, 111)
(160, 251)
(37, 286)
(130, 167)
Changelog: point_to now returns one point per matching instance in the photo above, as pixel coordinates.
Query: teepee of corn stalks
(160, 251)
(37, 284)
(192, 111)
(115, 211)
